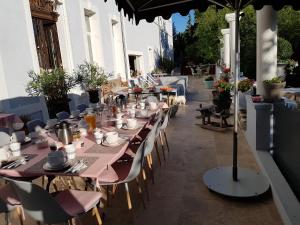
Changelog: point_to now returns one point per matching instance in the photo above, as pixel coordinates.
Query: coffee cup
(142, 105)
(98, 137)
(56, 159)
(15, 146)
(4, 153)
(18, 136)
(111, 137)
(118, 123)
(83, 132)
(131, 113)
(71, 151)
(131, 123)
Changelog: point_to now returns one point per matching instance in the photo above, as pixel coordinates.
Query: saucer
(47, 166)
(119, 142)
(132, 128)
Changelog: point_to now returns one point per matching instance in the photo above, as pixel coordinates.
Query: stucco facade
(112, 39)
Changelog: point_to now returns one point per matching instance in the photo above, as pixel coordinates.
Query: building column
(230, 18)
(266, 45)
(226, 47)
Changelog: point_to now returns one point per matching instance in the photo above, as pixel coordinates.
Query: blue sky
(180, 21)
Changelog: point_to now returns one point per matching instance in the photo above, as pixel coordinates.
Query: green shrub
(285, 50)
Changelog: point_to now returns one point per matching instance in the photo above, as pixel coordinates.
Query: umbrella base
(250, 183)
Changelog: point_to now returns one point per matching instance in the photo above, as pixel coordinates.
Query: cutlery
(72, 167)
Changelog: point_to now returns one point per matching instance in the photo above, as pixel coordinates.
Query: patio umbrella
(229, 181)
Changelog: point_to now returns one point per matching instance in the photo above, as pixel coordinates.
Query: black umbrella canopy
(149, 9)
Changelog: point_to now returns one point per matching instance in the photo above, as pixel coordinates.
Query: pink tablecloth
(98, 157)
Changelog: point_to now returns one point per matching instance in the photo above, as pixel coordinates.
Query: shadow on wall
(164, 39)
(33, 107)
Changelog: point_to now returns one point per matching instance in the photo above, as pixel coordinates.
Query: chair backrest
(166, 120)
(62, 115)
(38, 203)
(150, 139)
(33, 124)
(81, 107)
(137, 163)
(4, 139)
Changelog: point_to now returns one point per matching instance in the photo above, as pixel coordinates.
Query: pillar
(266, 45)
(226, 47)
(230, 18)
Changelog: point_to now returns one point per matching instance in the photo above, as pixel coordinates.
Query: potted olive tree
(91, 77)
(54, 85)
(209, 82)
(273, 88)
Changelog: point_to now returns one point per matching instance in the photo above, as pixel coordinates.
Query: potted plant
(244, 88)
(209, 82)
(222, 96)
(54, 85)
(273, 88)
(91, 77)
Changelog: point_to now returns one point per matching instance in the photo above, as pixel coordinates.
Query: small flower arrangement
(274, 80)
(226, 74)
(245, 85)
(137, 89)
(223, 86)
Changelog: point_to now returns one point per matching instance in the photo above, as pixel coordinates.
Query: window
(45, 32)
(88, 15)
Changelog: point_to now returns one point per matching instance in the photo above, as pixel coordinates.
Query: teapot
(64, 133)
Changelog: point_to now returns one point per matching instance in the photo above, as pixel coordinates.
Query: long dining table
(97, 157)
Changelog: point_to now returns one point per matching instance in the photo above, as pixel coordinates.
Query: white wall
(17, 47)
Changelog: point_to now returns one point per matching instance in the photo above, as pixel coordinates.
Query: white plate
(119, 142)
(47, 167)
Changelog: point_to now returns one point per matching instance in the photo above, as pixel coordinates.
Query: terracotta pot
(273, 92)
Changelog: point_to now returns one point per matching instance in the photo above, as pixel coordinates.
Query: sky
(180, 21)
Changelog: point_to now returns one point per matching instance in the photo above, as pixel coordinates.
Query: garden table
(97, 157)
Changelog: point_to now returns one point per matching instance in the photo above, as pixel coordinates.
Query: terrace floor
(179, 197)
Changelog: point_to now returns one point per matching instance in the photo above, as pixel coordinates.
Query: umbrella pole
(232, 181)
(236, 105)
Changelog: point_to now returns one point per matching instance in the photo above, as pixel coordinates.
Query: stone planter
(242, 99)
(273, 92)
(209, 84)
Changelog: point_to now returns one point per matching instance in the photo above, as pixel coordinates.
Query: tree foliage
(200, 42)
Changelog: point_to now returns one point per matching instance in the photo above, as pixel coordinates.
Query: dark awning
(149, 9)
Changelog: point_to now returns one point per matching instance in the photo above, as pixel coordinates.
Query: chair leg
(114, 189)
(20, 215)
(107, 195)
(150, 167)
(128, 196)
(165, 134)
(158, 156)
(97, 214)
(140, 192)
(7, 222)
(145, 183)
(162, 146)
